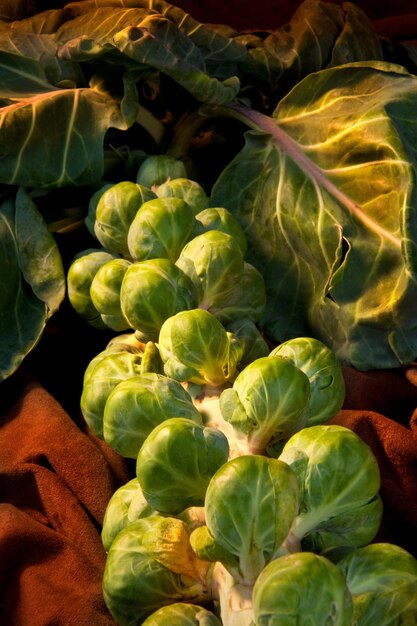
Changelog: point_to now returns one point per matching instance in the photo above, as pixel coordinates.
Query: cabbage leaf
(325, 190)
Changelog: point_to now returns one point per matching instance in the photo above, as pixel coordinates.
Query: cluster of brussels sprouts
(163, 250)
(252, 512)
(248, 507)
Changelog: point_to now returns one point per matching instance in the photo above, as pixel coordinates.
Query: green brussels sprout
(253, 344)
(182, 614)
(126, 342)
(115, 211)
(339, 480)
(219, 218)
(157, 169)
(105, 293)
(103, 377)
(267, 403)
(382, 579)
(126, 505)
(79, 278)
(195, 347)
(90, 219)
(137, 405)
(324, 371)
(160, 229)
(176, 462)
(152, 291)
(302, 588)
(185, 189)
(247, 298)
(214, 263)
(250, 504)
(150, 564)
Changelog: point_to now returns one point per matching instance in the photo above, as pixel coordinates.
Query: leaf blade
(336, 217)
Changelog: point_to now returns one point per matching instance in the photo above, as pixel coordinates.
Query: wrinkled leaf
(319, 35)
(215, 44)
(326, 193)
(32, 283)
(357, 40)
(92, 34)
(151, 40)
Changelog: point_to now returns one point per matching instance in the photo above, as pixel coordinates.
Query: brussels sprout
(267, 403)
(195, 347)
(103, 377)
(115, 211)
(218, 218)
(324, 372)
(150, 564)
(250, 504)
(79, 278)
(302, 588)
(253, 344)
(120, 512)
(105, 293)
(152, 291)
(214, 262)
(182, 614)
(247, 298)
(90, 220)
(157, 169)
(185, 189)
(176, 462)
(382, 579)
(137, 405)
(339, 479)
(160, 229)
(126, 342)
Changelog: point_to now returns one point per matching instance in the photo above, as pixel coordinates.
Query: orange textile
(55, 482)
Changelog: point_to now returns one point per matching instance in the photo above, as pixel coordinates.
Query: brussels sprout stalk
(235, 599)
(206, 400)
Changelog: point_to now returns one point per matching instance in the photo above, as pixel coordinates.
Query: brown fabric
(395, 447)
(55, 483)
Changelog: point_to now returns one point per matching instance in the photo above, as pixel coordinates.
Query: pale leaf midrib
(291, 148)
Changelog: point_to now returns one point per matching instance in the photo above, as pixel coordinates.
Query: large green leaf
(151, 41)
(160, 44)
(32, 283)
(319, 35)
(326, 191)
(215, 46)
(51, 137)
